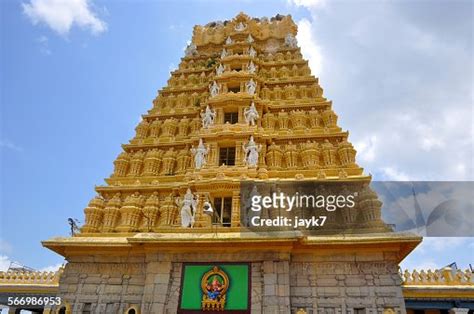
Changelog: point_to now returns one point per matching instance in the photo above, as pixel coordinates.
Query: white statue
(223, 53)
(251, 87)
(291, 41)
(240, 27)
(200, 154)
(252, 68)
(191, 50)
(252, 52)
(214, 89)
(250, 39)
(251, 114)
(220, 69)
(251, 151)
(207, 117)
(188, 209)
(228, 41)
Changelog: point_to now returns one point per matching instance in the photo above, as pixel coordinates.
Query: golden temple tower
(242, 106)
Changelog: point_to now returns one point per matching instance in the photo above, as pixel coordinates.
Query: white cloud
(309, 48)
(5, 247)
(440, 244)
(52, 267)
(435, 253)
(61, 15)
(381, 64)
(10, 145)
(43, 42)
(366, 148)
(4, 262)
(308, 3)
(392, 174)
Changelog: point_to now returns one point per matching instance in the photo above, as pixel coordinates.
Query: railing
(444, 276)
(23, 277)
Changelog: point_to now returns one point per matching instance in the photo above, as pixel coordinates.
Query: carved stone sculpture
(251, 114)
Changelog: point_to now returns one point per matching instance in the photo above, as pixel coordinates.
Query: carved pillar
(213, 157)
(239, 154)
(220, 116)
(235, 216)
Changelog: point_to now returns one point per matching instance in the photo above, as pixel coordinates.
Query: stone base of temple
(325, 275)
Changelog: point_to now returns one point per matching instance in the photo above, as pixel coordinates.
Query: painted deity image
(214, 284)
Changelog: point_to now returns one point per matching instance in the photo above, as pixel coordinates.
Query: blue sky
(75, 80)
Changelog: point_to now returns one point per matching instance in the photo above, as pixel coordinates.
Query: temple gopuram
(166, 234)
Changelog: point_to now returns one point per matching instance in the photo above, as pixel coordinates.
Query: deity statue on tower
(191, 50)
(290, 41)
(220, 69)
(251, 114)
(250, 39)
(200, 154)
(223, 53)
(252, 68)
(251, 151)
(207, 117)
(252, 52)
(188, 208)
(214, 89)
(251, 87)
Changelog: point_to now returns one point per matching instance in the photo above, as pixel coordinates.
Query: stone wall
(280, 283)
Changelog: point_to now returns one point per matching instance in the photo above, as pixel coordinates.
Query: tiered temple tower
(242, 106)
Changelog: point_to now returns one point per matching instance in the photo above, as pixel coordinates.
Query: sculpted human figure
(169, 160)
(328, 153)
(169, 127)
(251, 151)
(298, 119)
(228, 41)
(220, 69)
(283, 119)
(151, 211)
(183, 126)
(207, 117)
(136, 163)
(252, 68)
(313, 118)
(251, 115)
(252, 52)
(270, 120)
(346, 152)
(195, 125)
(291, 155)
(121, 164)
(290, 41)
(191, 50)
(240, 27)
(309, 154)
(250, 39)
(223, 53)
(152, 162)
(214, 89)
(188, 209)
(142, 129)
(155, 128)
(200, 154)
(183, 160)
(251, 87)
(274, 156)
(329, 118)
